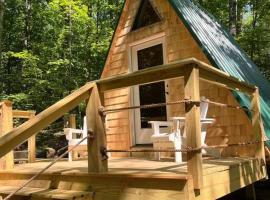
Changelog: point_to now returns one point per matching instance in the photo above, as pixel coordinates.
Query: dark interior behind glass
(154, 92)
(146, 15)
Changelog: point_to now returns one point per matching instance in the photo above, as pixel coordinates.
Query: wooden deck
(132, 166)
(130, 178)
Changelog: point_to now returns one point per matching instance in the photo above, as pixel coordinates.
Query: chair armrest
(161, 123)
(208, 121)
(157, 124)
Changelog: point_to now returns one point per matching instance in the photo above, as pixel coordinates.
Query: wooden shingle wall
(231, 126)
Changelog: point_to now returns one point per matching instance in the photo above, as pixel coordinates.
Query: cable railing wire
(105, 110)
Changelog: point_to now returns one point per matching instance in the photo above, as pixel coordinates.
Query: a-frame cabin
(167, 60)
(156, 32)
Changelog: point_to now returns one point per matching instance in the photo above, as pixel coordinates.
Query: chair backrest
(204, 108)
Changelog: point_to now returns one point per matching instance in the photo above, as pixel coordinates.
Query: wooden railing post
(257, 124)
(95, 124)
(32, 145)
(193, 126)
(72, 121)
(6, 125)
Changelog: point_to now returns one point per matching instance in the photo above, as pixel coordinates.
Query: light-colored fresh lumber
(96, 127)
(72, 121)
(6, 125)
(42, 120)
(193, 126)
(32, 145)
(173, 70)
(32, 149)
(47, 193)
(138, 178)
(223, 182)
(23, 114)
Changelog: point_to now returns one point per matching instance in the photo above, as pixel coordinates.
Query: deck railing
(191, 69)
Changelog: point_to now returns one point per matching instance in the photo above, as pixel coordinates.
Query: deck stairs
(34, 193)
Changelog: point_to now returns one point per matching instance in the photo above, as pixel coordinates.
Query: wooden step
(40, 193)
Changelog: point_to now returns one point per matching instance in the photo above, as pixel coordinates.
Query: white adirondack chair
(74, 136)
(175, 136)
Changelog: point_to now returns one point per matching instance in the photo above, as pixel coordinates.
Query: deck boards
(131, 166)
(138, 178)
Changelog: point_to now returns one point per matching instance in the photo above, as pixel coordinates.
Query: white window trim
(133, 48)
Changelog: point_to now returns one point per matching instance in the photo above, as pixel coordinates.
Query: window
(151, 93)
(146, 15)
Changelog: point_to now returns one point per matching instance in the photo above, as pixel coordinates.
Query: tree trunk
(2, 2)
(27, 26)
(233, 17)
(70, 40)
(240, 10)
(254, 25)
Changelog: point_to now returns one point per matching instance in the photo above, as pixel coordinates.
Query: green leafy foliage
(51, 47)
(252, 19)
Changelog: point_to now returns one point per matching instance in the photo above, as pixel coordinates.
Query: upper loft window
(146, 15)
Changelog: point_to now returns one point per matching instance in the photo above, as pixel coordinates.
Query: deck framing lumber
(174, 70)
(193, 126)
(23, 114)
(145, 184)
(32, 145)
(96, 127)
(20, 114)
(6, 125)
(223, 182)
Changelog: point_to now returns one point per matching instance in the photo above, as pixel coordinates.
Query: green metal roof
(224, 53)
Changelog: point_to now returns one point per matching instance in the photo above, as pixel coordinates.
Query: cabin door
(147, 55)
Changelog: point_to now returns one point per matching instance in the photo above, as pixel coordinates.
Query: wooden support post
(257, 124)
(6, 125)
(96, 126)
(32, 145)
(72, 121)
(250, 192)
(193, 126)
